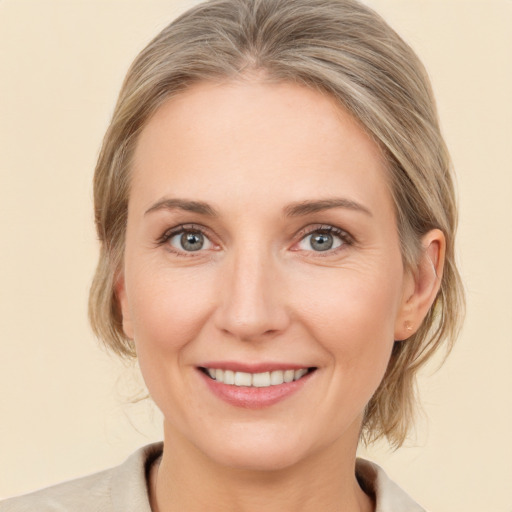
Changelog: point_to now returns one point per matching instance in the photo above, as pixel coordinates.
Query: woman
(277, 218)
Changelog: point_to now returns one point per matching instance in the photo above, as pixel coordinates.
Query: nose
(251, 303)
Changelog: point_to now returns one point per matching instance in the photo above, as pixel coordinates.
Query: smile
(256, 380)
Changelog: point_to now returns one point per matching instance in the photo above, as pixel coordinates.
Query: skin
(258, 291)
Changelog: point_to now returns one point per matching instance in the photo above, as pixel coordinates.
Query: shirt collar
(129, 488)
(389, 497)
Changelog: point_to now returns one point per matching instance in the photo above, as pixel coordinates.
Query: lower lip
(252, 397)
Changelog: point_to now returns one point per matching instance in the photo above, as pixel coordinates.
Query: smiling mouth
(256, 380)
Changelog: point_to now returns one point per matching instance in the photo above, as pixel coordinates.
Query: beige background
(63, 408)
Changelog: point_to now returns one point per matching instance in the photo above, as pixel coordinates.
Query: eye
(323, 239)
(188, 240)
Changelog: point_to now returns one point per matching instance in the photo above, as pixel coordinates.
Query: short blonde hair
(337, 46)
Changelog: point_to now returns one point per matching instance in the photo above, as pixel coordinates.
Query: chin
(256, 448)
(258, 457)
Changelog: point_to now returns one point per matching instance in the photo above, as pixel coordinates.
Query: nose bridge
(250, 303)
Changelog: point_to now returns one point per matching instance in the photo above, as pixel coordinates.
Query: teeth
(243, 379)
(289, 375)
(257, 380)
(229, 377)
(299, 373)
(276, 378)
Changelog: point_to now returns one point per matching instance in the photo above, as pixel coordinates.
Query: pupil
(192, 241)
(322, 242)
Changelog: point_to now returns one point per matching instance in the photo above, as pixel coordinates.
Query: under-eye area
(257, 380)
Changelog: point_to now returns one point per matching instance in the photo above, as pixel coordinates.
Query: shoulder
(389, 497)
(91, 492)
(119, 489)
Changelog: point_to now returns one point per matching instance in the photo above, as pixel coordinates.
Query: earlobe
(422, 285)
(120, 291)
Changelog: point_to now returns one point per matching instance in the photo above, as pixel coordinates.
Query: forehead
(216, 140)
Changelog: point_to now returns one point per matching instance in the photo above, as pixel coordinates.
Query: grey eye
(319, 241)
(190, 241)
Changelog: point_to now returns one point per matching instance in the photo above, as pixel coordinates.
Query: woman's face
(261, 245)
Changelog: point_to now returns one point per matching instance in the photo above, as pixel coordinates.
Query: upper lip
(252, 367)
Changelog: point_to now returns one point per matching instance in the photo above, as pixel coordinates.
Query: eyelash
(178, 230)
(346, 238)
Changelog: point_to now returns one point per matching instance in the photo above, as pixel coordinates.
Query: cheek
(352, 316)
(168, 309)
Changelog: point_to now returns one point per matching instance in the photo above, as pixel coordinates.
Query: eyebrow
(307, 207)
(183, 204)
(297, 209)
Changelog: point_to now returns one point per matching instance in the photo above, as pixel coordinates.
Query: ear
(421, 285)
(120, 290)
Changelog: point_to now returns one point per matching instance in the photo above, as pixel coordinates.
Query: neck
(186, 479)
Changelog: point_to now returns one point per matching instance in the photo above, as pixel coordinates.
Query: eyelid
(182, 228)
(344, 235)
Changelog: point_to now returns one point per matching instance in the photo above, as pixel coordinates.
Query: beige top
(124, 489)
